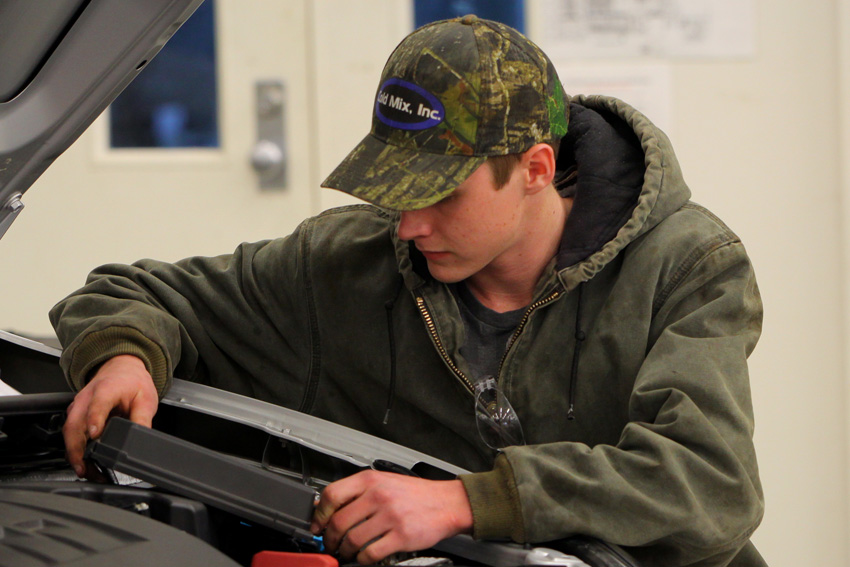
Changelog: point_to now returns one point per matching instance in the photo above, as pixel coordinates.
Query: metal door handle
(268, 156)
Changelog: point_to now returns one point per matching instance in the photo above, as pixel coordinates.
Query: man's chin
(445, 274)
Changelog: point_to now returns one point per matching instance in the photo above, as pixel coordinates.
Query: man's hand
(122, 386)
(372, 514)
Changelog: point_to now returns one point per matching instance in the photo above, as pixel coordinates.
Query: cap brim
(397, 178)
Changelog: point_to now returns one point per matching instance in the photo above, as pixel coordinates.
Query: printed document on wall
(646, 87)
(646, 28)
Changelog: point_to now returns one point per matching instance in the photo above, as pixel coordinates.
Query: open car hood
(64, 62)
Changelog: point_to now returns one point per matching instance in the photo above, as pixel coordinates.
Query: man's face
(476, 228)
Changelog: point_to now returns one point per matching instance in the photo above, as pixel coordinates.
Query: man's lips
(434, 255)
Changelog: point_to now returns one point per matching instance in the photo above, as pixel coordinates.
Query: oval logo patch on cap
(406, 106)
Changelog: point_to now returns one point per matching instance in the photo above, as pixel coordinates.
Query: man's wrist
(461, 508)
(99, 347)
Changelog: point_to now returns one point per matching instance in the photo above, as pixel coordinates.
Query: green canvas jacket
(628, 372)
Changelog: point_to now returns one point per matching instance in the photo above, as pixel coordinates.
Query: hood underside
(65, 62)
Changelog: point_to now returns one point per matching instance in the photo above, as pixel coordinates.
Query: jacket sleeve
(217, 320)
(681, 486)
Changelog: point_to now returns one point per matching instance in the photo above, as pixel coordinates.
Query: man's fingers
(326, 510)
(362, 535)
(143, 408)
(379, 549)
(349, 525)
(121, 386)
(74, 432)
(75, 446)
(323, 512)
(335, 496)
(375, 514)
(104, 400)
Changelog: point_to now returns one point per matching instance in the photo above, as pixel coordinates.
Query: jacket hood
(627, 180)
(624, 177)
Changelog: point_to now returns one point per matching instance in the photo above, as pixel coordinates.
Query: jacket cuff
(99, 346)
(496, 508)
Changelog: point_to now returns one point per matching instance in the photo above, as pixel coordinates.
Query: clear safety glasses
(498, 423)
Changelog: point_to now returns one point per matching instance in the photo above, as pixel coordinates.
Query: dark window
(510, 12)
(173, 102)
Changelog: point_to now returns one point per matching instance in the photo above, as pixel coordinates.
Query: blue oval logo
(406, 106)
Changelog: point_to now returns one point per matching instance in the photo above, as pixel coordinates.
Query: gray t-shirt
(487, 332)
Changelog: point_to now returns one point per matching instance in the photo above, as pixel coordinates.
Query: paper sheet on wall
(636, 28)
(645, 87)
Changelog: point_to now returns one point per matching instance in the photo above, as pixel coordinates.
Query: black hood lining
(605, 165)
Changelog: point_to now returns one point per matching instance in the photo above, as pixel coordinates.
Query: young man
(615, 315)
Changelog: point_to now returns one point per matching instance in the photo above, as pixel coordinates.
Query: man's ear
(539, 167)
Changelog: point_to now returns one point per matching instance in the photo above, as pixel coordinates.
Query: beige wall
(759, 142)
(762, 142)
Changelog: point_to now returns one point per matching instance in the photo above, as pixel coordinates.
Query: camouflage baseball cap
(453, 93)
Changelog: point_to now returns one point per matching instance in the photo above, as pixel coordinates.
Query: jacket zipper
(432, 328)
(522, 323)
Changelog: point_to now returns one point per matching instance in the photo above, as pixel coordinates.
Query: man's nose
(413, 224)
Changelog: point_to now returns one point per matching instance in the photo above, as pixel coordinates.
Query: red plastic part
(287, 559)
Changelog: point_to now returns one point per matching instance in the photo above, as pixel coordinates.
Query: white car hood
(64, 62)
